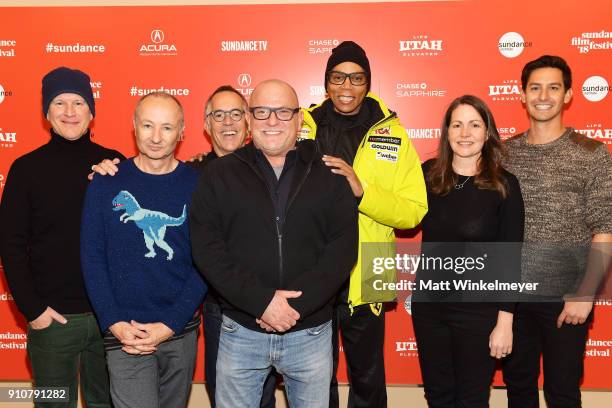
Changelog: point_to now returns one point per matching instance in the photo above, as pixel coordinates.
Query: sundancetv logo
(156, 46)
(424, 133)
(244, 82)
(7, 138)
(244, 46)
(595, 88)
(593, 41)
(598, 132)
(508, 90)
(421, 45)
(324, 46)
(512, 44)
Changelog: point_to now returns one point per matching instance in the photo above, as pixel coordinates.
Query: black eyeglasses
(338, 78)
(282, 113)
(219, 115)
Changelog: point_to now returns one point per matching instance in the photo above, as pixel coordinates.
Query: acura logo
(244, 80)
(157, 36)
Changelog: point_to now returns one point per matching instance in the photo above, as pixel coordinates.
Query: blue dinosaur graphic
(152, 223)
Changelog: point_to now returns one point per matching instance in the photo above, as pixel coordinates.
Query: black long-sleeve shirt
(40, 215)
(471, 214)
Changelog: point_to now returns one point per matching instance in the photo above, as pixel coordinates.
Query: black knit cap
(65, 80)
(349, 51)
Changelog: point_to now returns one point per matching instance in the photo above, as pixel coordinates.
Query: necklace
(459, 186)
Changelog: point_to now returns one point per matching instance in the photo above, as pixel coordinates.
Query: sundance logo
(7, 139)
(508, 90)
(244, 46)
(4, 94)
(595, 88)
(157, 46)
(317, 90)
(420, 45)
(512, 44)
(1, 180)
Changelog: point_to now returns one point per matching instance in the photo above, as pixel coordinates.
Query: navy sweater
(135, 247)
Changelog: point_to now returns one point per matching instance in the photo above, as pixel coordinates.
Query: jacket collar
(307, 152)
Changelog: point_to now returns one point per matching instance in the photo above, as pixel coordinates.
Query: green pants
(62, 353)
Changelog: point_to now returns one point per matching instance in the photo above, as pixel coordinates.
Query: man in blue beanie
(39, 244)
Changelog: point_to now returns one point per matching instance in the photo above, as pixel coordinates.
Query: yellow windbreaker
(394, 192)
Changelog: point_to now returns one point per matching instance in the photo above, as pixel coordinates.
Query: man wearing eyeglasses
(275, 233)
(364, 141)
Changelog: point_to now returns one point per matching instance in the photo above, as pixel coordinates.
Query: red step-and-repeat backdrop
(422, 55)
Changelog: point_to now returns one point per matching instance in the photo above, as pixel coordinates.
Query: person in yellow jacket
(364, 141)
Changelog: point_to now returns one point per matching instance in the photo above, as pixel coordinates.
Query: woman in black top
(471, 199)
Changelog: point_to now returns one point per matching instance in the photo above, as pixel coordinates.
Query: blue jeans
(212, 331)
(303, 358)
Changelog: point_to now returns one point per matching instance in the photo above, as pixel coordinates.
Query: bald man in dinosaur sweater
(137, 264)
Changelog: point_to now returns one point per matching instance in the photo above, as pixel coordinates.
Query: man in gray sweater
(568, 213)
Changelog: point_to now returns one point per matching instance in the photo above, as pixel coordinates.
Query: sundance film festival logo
(7, 138)
(7, 48)
(598, 348)
(322, 46)
(417, 90)
(423, 133)
(419, 46)
(96, 87)
(244, 46)
(407, 348)
(2, 180)
(598, 132)
(244, 82)
(508, 90)
(157, 46)
(6, 297)
(4, 93)
(595, 88)
(593, 41)
(512, 44)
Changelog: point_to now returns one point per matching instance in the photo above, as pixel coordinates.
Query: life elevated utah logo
(7, 138)
(508, 90)
(420, 45)
(598, 132)
(157, 45)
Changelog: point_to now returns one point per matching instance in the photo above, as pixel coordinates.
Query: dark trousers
(212, 331)
(453, 343)
(562, 350)
(62, 353)
(363, 335)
